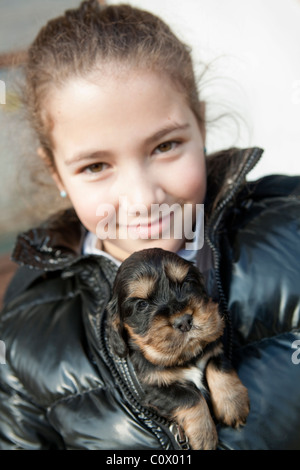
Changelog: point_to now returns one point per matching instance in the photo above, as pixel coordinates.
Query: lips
(152, 229)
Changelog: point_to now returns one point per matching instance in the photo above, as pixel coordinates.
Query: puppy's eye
(189, 283)
(141, 305)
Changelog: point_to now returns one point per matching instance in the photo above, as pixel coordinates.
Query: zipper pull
(180, 436)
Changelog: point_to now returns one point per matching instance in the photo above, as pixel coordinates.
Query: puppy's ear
(116, 330)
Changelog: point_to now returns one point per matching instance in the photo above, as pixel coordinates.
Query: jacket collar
(58, 242)
(53, 245)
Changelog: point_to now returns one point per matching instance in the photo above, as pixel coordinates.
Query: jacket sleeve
(273, 380)
(263, 278)
(23, 424)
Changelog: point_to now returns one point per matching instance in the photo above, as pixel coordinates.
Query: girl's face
(124, 146)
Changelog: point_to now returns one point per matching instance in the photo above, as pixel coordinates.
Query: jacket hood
(58, 241)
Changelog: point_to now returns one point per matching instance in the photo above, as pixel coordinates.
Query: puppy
(160, 315)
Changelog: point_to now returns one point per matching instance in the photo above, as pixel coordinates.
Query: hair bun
(85, 11)
(89, 5)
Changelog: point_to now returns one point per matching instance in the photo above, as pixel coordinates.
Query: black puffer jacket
(61, 389)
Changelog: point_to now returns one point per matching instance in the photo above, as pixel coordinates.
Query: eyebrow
(93, 154)
(87, 155)
(165, 131)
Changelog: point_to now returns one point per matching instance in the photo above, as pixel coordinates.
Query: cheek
(195, 184)
(88, 207)
(86, 213)
(188, 180)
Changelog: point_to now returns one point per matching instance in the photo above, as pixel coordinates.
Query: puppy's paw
(205, 438)
(198, 426)
(234, 408)
(229, 397)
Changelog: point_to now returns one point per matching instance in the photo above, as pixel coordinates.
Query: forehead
(82, 107)
(144, 286)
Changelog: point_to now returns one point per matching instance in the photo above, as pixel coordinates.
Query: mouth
(180, 340)
(180, 351)
(153, 229)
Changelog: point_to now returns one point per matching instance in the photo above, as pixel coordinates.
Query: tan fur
(164, 345)
(207, 318)
(162, 378)
(176, 272)
(167, 377)
(198, 426)
(141, 288)
(229, 396)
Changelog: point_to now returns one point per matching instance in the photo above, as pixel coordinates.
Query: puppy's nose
(184, 322)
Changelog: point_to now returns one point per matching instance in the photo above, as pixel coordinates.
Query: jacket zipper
(180, 436)
(144, 413)
(210, 232)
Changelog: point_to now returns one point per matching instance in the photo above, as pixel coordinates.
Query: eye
(189, 283)
(166, 147)
(141, 305)
(95, 168)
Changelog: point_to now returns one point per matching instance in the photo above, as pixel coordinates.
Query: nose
(140, 188)
(183, 323)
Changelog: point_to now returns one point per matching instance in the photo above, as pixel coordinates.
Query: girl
(112, 96)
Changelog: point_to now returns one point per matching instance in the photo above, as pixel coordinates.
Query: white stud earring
(63, 193)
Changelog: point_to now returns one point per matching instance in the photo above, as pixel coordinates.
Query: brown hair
(91, 36)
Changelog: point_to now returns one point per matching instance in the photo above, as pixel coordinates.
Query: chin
(121, 251)
(168, 245)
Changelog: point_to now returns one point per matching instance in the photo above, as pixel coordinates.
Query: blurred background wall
(253, 51)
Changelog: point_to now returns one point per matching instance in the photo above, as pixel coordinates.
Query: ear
(116, 330)
(56, 178)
